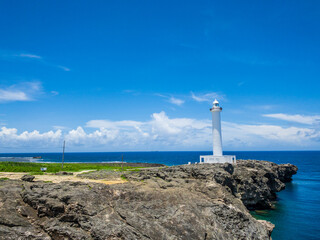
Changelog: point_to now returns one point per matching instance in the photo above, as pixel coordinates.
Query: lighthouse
(217, 156)
(216, 128)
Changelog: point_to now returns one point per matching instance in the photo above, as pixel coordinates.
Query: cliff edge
(207, 201)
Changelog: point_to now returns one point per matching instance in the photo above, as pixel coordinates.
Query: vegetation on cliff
(35, 168)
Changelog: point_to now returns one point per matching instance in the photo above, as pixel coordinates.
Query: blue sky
(141, 75)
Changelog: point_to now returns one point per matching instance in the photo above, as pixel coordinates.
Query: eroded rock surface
(27, 178)
(181, 202)
(101, 174)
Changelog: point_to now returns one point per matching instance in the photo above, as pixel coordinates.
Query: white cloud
(26, 91)
(12, 95)
(207, 97)
(176, 101)
(10, 138)
(161, 123)
(163, 133)
(33, 57)
(26, 55)
(171, 99)
(57, 127)
(295, 118)
(251, 136)
(64, 68)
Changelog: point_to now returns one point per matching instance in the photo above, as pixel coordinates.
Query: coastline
(179, 202)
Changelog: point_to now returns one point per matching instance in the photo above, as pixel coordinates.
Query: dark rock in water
(27, 178)
(258, 182)
(64, 173)
(206, 201)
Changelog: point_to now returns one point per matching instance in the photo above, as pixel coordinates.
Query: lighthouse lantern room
(217, 156)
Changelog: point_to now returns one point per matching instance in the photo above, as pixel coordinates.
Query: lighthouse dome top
(215, 106)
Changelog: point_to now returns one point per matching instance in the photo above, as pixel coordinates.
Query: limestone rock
(204, 201)
(27, 178)
(101, 174)
(269, 226)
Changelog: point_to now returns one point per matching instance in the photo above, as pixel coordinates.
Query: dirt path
(59, 178)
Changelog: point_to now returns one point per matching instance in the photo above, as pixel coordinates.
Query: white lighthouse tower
(216, 128)
(217, 156)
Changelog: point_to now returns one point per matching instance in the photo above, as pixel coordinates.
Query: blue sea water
(297, 210)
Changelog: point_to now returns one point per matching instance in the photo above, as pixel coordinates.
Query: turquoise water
(297, 211)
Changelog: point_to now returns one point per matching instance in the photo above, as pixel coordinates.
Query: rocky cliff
(207, 201)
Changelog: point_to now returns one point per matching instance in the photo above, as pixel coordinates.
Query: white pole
(64, 146)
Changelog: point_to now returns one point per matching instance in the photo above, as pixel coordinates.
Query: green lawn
(34, 168)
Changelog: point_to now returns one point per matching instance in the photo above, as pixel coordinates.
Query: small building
(217, 156)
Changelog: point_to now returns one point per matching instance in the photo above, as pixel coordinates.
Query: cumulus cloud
(161, 132)
(295, 118)
(26, 91)
(207, 97)
(270, 136)
(10, 138)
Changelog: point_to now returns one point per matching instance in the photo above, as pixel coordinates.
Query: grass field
(34, 168)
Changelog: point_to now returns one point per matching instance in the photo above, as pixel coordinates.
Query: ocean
(297, 210)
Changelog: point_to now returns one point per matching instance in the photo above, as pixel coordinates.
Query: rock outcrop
(101, 174)
(27, 178)
(255, 183)
(207, 201)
